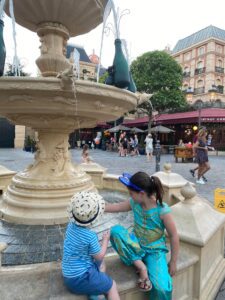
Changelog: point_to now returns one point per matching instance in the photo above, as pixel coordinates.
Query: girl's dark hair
(150, 184)
(85, 147)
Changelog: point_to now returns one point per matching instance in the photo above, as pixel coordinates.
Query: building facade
(202, 57)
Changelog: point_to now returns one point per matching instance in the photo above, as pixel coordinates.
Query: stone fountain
(54, 105)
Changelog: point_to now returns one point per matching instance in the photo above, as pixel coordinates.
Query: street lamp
(189, 94)
(213, 92)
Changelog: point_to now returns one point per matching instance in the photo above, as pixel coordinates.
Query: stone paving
(31, 244)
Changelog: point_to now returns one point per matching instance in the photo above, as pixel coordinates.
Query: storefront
(186, 125)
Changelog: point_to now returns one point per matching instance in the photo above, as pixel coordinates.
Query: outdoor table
(185, 153)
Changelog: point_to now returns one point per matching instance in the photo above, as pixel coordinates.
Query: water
(28, 244)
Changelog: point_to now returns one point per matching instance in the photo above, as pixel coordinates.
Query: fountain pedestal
(40, 194)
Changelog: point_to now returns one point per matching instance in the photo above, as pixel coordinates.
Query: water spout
(16, 62)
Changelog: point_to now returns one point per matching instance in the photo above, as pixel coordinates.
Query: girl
(144, 246)
(202, 156)
(85, 154)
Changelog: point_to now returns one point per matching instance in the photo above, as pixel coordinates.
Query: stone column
(19, 136)
(201, 232)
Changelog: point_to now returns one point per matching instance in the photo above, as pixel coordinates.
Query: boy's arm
(174, 241)
(99, 256)
(118, 207)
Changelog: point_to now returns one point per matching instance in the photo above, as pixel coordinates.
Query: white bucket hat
(85, 208)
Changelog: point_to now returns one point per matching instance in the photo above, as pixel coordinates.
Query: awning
(208, 115)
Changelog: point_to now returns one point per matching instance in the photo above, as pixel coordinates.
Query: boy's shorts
(93, 282)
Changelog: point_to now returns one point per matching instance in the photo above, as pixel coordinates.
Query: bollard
(157, 156)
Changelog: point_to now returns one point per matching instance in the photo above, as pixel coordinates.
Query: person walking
(144, 245)
(83, 268)
(136, 150)
(202, 155)
(149, 146)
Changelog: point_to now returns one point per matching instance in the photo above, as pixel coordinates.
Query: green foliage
(159, 74)
(10, 72)
(102, 79)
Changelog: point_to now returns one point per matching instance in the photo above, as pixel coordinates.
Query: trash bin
(219, 200)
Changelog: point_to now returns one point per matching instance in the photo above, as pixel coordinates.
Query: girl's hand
(106, 235)
(172, 268)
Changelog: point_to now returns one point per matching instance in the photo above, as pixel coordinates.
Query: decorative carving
(24, 98)
(67, 78)
(117, 108)
(99, 105)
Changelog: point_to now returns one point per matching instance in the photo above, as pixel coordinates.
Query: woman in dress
(202, 155)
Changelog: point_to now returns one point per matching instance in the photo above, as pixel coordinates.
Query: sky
(150, 25)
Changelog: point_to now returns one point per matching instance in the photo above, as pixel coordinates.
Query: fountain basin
(77, 16)
(42, 103)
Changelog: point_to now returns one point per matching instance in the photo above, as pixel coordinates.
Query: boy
(82, 265)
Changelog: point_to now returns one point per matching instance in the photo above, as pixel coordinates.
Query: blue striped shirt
(79, 246)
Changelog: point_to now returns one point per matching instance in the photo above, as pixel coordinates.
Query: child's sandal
(144, 285)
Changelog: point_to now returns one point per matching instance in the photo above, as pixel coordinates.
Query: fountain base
(41, 193)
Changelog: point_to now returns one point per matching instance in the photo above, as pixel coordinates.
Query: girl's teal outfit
(146, 241)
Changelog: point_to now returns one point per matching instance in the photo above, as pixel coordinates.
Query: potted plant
(28, 144)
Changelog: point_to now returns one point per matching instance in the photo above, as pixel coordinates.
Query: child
(82, 265)
(144, 246)
(85, 154)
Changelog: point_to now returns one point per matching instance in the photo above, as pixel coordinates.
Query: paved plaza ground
(17, 160)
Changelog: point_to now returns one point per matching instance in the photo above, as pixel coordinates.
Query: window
(187, 56)
(218, 82)
(200, 83)
(219, 63)
(219, 48)
(185, 87)
(201, 50)
(200, 65)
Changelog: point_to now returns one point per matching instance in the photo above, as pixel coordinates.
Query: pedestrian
(136, 150)
(121, 150)
(125, 146)
(202, 156)
(209, 143)
(181, 143)
(82, 264)
(144, 245)
(192, 171)
(85, 154)
(149, 146)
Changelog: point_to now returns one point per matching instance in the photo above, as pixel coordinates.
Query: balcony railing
(219, 70)
(199, 71)
(186, 74)
(200, 90)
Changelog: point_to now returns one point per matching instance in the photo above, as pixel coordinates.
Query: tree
(11, 72)
(157, 73)
(103, 78)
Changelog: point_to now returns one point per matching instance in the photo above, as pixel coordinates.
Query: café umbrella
(119, 128)
(161, 129)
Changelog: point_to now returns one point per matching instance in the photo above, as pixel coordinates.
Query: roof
(83, 55)
(200, 36)
(208, 115)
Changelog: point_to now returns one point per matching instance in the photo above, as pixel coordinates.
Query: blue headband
(125, 179)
